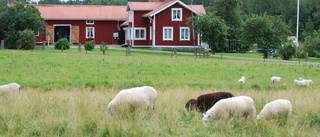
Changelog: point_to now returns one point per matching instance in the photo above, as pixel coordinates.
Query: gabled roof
(143, 6)
(157, 7)
(82, 12)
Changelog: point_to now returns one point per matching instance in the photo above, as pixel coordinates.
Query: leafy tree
(267, 31)
(18, 18)
(212, 28)
(312, 44)
(228, 10)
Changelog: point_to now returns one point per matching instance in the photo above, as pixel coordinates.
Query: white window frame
(38, 33)
(90, 22)
(87, 31)
(182, 34)
(139, 37)
(174, 14)
(164, 34)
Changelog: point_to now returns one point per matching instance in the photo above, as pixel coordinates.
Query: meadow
(65, 93)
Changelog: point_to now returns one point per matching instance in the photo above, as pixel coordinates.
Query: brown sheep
(206, 101)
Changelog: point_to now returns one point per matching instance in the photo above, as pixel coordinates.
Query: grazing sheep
(138, 97)
(241, 106)
(275, 79)
(206, 101)
(191, 104)
(308, 80)
(302, 83)
(242, 80)
(12, 87)
(275, 109)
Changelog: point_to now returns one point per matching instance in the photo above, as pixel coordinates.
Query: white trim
(132, 35)
(144, 33)
(62, 25)
(154, 31)
(178, 15)
(92, 32)
(181, 3)
(90, 23)
(150, 32)
(163, 34)
(130, 16)
(180, 35)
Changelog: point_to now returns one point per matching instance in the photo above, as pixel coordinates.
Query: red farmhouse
(153, 23)
(160, 24)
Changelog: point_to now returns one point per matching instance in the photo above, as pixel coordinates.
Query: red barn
(81, 23)
(160, 24)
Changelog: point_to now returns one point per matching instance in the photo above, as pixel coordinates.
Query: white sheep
(275, 79)
(302, 83)
(240, 106)
(242, 80)
(275, 109)
(308, 80)
(138, 97)
(12, 87)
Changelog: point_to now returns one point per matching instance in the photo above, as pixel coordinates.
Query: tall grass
(80, 112)
(66, 94)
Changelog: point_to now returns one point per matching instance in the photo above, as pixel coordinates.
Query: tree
(18, 18)
(228, 10)
(312, 44)
(269, 32)
(212, 29)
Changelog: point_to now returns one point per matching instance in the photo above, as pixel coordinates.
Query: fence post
(43, 45)
(128, 51)
(174, 52)
(2, 44)
(79, 48)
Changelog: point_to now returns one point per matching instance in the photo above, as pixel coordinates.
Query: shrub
(287, 50)
(62, 44)
(26, 39)
(10, 40)
(103, 47)
(90, 45)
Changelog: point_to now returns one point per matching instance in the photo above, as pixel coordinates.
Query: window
(90, 22)
(89, 32)
(140, 34)
(176, 14)
(167, 33)
(37, 33)
(184, 33)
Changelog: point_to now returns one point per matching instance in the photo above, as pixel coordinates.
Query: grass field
(66, 94)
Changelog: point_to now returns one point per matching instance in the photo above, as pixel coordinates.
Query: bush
(62, 44)
(287, 50)
(103, 47)
(20, 39)
(10, 40)
(26, 39)
(90, 45)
